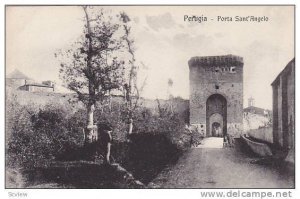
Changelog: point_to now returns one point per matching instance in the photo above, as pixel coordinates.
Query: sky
(164, 42)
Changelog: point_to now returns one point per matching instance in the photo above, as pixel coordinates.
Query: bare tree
(91, 67)
(132, 92)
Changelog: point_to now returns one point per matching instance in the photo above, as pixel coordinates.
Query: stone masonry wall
(216, 75)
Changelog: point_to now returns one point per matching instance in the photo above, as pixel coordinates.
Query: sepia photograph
(149, 97)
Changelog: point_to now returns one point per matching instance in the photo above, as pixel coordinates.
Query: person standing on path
(105, 140)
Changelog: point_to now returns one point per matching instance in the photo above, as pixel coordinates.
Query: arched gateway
(216, 116)
(216, 94)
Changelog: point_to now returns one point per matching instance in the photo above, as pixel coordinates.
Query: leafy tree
(91, 67)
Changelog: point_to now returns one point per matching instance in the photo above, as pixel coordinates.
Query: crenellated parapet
(216, 60)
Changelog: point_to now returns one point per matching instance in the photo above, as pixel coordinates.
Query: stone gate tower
(216, 94)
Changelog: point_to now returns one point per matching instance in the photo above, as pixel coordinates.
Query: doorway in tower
(216, 116)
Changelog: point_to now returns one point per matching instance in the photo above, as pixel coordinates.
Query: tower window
(232, 69)
(217, 86)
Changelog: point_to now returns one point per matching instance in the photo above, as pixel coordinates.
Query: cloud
(164, 42)
(194, 43)
(263, 50)
(160, 21)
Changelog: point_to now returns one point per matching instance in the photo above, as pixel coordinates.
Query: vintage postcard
(150, 97)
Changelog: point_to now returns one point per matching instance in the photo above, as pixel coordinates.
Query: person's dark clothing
(105, 138)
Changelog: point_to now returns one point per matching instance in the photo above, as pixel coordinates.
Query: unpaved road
(210, 167)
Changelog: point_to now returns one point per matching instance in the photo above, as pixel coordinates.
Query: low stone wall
(260, 149)
(264, 134)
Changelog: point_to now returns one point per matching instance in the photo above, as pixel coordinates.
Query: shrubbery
(36, 135)
(148, 154)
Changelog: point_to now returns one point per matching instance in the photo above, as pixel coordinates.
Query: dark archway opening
(216, 116)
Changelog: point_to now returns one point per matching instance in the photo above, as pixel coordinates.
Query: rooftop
(256, 110)
(16, 74)
(38, 85)
(287, 68)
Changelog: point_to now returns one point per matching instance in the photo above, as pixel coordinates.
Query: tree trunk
(91, 130)
(110, 102)
(130, 126)
(172, 108)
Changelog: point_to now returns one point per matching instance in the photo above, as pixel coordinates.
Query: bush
(34, 136)
(19, 133)
(148, 154)
(171, 125)
(157, 139)
(117, 119)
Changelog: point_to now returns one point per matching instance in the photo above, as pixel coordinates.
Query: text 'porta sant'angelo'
(202, 18)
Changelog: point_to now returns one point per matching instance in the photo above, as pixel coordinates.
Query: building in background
(255, 117)
(18, 81)
(258, 122)
(256, 110)
(36, 87)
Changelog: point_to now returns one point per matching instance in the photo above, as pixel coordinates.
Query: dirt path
(209, 167)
